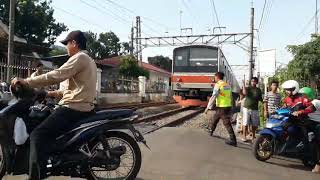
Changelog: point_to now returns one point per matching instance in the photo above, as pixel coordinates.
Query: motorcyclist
(315, 117)
(79, 73)
(293, 98)
(300, 101)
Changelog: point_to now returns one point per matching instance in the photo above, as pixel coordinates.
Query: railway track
(133, 105)
(166, 119)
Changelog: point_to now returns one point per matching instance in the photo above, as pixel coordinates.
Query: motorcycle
(287, 136)
(102, 146)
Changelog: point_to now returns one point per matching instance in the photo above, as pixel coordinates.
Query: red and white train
(193, 74)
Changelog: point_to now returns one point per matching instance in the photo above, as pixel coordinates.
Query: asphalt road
(190, 154)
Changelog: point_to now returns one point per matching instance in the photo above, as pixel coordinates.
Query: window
(181, 57)
(203, 57)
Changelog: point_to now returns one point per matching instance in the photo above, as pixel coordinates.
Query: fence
(21, 66)
(155, 87)
(119, 85)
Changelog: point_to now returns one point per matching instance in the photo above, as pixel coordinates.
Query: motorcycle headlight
(272, 125)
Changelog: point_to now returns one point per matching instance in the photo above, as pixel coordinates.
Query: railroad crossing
(187, 152)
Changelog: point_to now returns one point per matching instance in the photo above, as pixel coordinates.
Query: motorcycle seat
(108, 114)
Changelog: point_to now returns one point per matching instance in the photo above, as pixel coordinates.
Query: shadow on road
(294, 166)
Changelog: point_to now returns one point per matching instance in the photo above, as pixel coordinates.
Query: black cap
(78, 36)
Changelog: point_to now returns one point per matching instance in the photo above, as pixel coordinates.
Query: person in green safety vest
(222, 95)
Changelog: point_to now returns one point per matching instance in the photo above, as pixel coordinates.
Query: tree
(57, 50)
(110, 41)
(125, 48)
(305, 65)
(94, 47)
(33, 21)
(162, 62)
(129, 67)
(107, 45)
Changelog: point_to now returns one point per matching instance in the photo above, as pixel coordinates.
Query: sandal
(316, 169)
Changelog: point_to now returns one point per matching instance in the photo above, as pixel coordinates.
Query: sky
(284, 22)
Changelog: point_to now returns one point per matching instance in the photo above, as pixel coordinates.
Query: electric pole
(138, 40)
(251, 44)
(131, 42)
(11, 38)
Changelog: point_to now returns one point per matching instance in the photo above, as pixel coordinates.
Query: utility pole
(131, 42)
(140, 46)
(316, 18)
(11, 38)
(251, 44)
(138, 40)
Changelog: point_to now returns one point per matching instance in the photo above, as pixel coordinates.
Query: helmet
(308, 92)
(291, 85)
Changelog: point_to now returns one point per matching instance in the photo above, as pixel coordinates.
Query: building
(26, 55)
(158, 78)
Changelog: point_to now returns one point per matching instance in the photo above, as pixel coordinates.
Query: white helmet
(291, 85)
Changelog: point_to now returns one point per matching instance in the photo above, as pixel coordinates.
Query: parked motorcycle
(287, 136)
(103, 146)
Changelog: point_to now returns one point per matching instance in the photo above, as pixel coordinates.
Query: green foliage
(305, 66)
(162, 62)
(129, 67)
(125, 48)
(107, 45)
(57, 50)
(34, 20)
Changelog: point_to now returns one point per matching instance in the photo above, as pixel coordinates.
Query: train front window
(203, 57)
(181, 58)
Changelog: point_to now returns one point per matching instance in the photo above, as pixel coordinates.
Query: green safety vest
(224, 97)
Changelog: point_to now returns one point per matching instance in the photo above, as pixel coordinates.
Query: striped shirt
(273, 101)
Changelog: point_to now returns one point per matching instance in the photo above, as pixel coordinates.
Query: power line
(305, 28)
(268, 12)
(190, 11)
(132, 12)
(215, 11)
(81, 18)
(264, 6)
(103, 12)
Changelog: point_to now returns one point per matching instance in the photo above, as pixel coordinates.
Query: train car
(193, 74)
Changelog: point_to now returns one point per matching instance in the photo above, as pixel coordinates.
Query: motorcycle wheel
(124, 171)
(263, 147)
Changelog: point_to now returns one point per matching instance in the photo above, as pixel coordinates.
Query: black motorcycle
(103, 146)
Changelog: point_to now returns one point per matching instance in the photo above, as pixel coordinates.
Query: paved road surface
(190, 154)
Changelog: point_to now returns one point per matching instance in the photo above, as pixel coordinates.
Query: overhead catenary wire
(120, 19)
(81, 18)
(134, 13)
(264, 22)
(262, 14)
(216, 14)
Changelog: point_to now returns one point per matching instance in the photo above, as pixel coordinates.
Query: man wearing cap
(79, 74)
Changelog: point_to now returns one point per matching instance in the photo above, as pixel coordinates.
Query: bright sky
(284, 21)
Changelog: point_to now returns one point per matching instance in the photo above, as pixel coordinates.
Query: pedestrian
(253, 95)
(39, 70)
(223, 97)
(272, 99)
(240, 103)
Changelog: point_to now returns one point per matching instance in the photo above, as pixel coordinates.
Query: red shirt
(292, 101)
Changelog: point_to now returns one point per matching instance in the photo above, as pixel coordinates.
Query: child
(240, 103)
